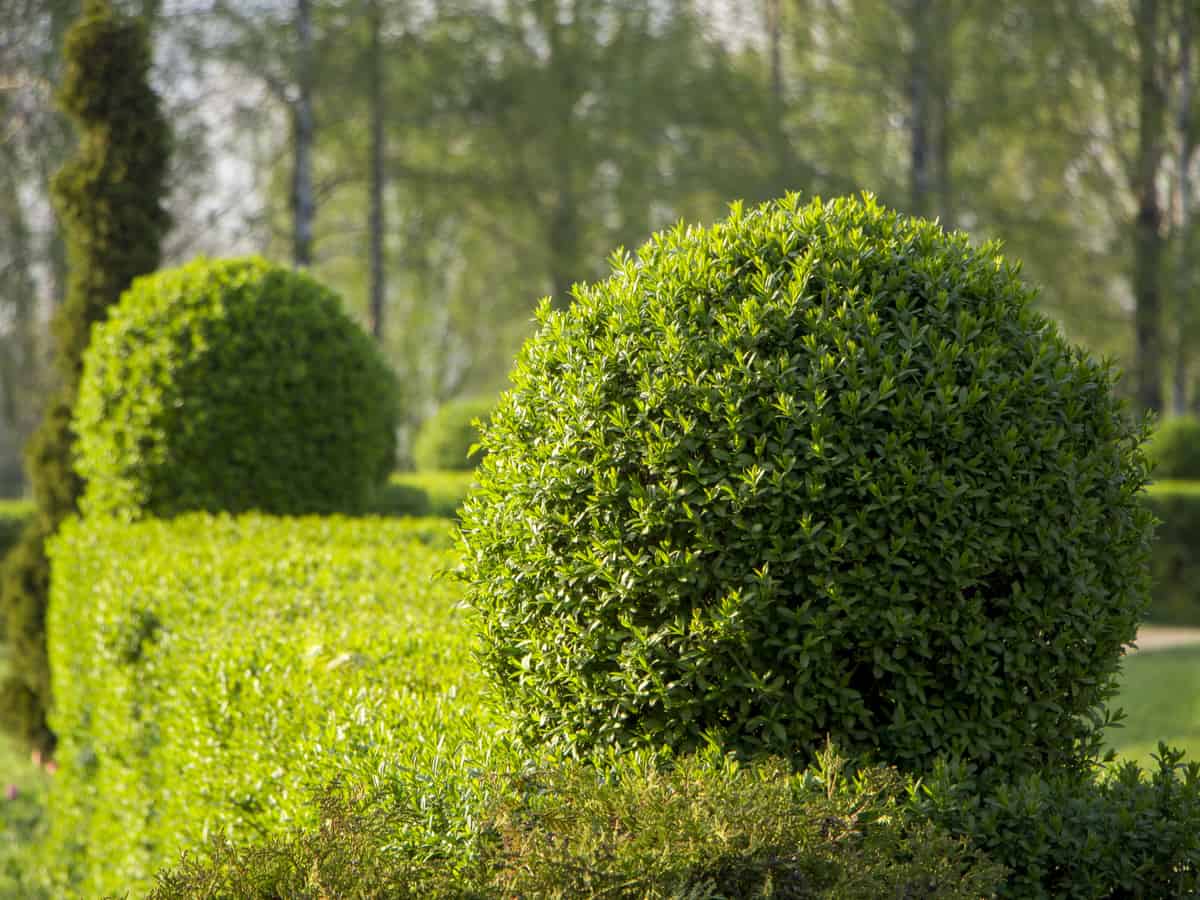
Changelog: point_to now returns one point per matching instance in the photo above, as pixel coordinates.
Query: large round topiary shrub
(1174, 449)
(445, 439)
(232, 385)
(817, 470)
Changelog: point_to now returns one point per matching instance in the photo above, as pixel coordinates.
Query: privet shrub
(1175, 563)
(817, 470)
(211, 672)
(1174, 448)
(703, 827)
(1080, 837)
(445, 439)
(232, 385)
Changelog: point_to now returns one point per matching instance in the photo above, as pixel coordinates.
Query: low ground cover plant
(635, 827)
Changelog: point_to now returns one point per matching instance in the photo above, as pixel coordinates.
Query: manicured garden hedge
(212, 672)
(424, 494)
(1175, 563)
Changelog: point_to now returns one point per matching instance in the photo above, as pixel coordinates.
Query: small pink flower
(10, 792)
(51, 767)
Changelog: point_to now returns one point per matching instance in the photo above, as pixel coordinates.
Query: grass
(1160, 694)
(445, 490)
(21, 817)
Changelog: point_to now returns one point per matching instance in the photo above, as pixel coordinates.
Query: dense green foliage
(424, 494)
(233, 385)
(1174, 449)
(708, 828)
(1175, 562)
(109, 200)
(211, 672)
(1065, 836)
(14, 514)
(704, 827)
(445, 439)
(819, 469)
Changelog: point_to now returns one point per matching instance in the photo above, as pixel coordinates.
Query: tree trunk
(1185, 283)
(1147, 240)
(920, 168)
(942, 91)
(564, 248)
(780, 150)
(302, 140)
(375, 99)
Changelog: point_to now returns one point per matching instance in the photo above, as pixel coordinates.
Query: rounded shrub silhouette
(232, 385)
(445, 439)
(819, 470)
(1174, 449)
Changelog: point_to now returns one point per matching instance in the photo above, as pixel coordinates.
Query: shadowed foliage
(108, 198)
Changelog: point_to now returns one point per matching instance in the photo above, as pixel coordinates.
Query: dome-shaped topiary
(817, 470)
(1174, 449)
(232, 385)
(445, 439)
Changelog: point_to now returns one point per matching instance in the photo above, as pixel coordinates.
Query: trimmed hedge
(1174, 448)
(211, 672)
(1175, 563)
(445, 439)
(424, 494)
(232, 385)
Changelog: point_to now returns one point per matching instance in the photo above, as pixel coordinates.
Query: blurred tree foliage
(470, 156)
(109, 200)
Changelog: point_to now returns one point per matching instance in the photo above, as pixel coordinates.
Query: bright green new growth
(231, 385)
(445, 439)
(819, 469)
(1174, 448)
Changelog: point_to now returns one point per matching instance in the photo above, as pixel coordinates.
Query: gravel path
(1160, 637)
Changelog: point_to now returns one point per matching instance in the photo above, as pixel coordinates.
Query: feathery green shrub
(701, 827)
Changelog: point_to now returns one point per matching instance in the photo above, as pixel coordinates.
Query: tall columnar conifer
(109, 200)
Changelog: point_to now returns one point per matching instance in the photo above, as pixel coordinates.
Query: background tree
(109, 200)
(34, 139)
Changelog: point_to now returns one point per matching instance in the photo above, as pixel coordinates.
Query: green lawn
(1160, 694)
(20, 816)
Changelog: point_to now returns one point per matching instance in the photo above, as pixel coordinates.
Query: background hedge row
(211, 673)
(1175, 563)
